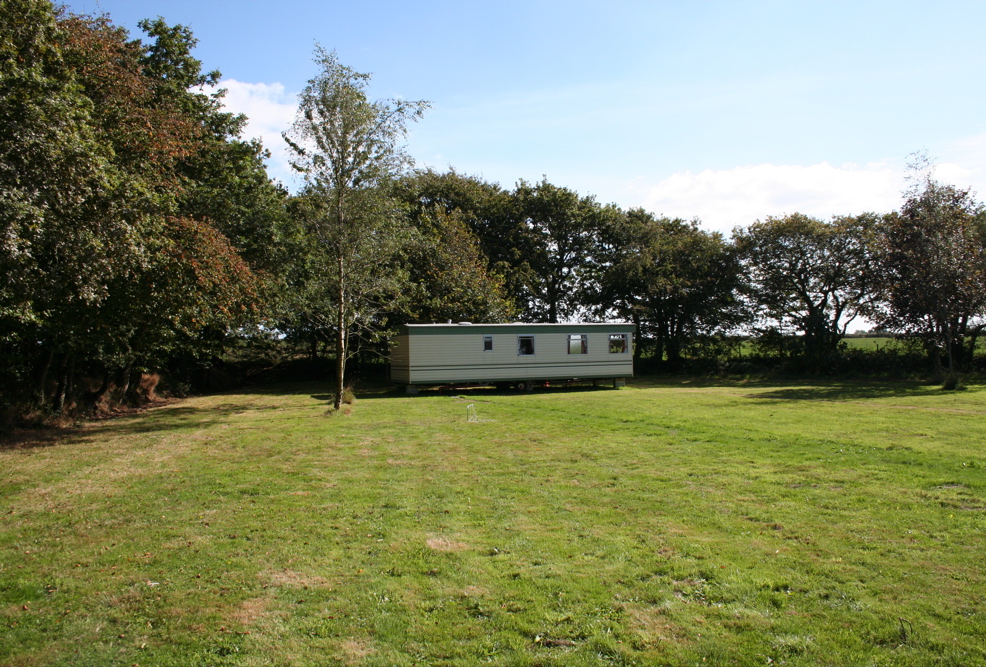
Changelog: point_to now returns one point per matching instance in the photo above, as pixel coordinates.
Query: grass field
(666, 523)
(873, 343)
(869, 344)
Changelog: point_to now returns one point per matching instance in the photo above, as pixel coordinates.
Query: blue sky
(724, 111)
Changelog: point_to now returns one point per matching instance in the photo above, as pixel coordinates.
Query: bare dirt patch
(445, 544)
(653, 626)
(250, 611)
(353, 651)
(292, 579)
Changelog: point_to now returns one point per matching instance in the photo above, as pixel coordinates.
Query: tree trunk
(659, 342)
(42, 394)
(63, 380)
(973, 337)
(341, 316)
(636, 337)
(133, 386)
(70, 380)
(94, 398)
(934, 351)
(123, 381)
(673, 347)
(950, 343)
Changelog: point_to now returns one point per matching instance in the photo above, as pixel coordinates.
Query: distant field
(872, 343)
(666, 523)
(866, 343)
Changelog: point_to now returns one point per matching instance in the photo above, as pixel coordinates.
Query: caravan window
(487, 343)
(525, 345)
(578, 344)
(618, 344)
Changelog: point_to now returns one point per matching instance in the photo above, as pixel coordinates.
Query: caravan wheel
(524, 385)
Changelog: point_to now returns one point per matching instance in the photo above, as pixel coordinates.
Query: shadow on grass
(194, 418)
(168, 415)
(392, 391)
(33, 439)
(798, 389)
(847, 392)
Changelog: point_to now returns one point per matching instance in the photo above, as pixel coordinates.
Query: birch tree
(347, 148)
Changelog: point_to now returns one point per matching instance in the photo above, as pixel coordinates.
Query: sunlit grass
(667, 523)
(872, 343)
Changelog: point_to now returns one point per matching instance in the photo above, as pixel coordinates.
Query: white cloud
(721, 199)
(270, 110)
(739, 196)
(963, 163)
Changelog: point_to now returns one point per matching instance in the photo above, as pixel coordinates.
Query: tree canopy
(933, 258)
(108, 265)
(809, 276)
(677, 283)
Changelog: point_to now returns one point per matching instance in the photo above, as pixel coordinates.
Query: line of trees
(139, 232)
(794, 281)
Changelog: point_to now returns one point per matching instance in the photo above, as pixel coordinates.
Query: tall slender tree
(347, 148)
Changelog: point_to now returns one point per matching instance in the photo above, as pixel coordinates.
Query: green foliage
(485, 207)
(810, 277)
(555, 242)
(349, 149)
(368, 281)
(53, 171)
(933, 258)
(449, 279)
(112, 261)
(169, 63)
(678, 283)
(344, 143)
(451, 276)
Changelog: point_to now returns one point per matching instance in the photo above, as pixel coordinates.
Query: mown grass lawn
(666, 523)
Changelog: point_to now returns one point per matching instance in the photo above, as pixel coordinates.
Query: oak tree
(810, 277)
(555, 242)
(678, 283)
